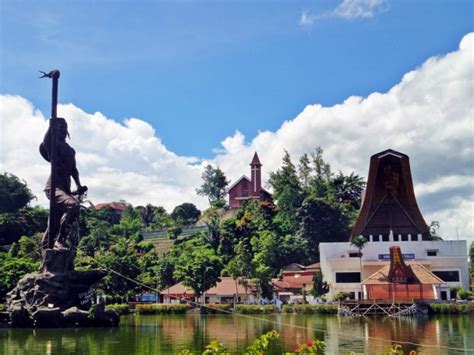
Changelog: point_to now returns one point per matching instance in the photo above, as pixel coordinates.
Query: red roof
(225, 287)
(118, 206)
(294, 281)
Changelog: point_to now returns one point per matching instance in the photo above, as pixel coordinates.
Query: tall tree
(288, 193)
(360, 242)
(185, 214)
(320, 182)
(304, 171)
(322, 221)
(214, 184)
(198, 269)
(14, 194)
(348, 189)
(320, 287)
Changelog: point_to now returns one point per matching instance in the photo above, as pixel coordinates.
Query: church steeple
(256, 175)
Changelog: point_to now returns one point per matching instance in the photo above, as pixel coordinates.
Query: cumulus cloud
(116, 160)
(352, 9)
(306, 19)
(428, 115)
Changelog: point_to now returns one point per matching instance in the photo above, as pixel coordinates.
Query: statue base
(57, 294)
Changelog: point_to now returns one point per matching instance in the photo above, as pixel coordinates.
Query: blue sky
(199, 71)
(153, 91)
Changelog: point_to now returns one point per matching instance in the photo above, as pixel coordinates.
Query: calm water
(169, 334)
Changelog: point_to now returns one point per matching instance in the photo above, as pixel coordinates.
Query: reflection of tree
(171, 333)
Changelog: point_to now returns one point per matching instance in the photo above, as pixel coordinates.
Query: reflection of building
(296, 279)
(244, 188)
(389, 216)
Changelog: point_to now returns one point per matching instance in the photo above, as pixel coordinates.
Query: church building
(244, 188)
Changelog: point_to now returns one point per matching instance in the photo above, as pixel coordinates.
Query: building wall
(451, 255)
(242, 189)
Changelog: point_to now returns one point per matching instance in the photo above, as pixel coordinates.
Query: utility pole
(54, 74)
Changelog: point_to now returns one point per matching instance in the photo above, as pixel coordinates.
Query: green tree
(348, 189)
(124, 261)
(288, 194)
(12, 270)
(198, 269)
(320, 287)
(471, 257)
(264, 259)
(322, 221)
(164, 272)
(214, 184)
(161, 219)
(14, 194)
(304, 171)
(185, 214)
(27, 247)
(320, 183)
(360, 243)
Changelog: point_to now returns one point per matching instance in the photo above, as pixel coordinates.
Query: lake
(169, 334)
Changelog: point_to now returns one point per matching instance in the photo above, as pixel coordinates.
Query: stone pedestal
(46, 294)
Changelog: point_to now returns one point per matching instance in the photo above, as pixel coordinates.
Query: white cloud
(306, 19)
(428, 115)
(352, 9)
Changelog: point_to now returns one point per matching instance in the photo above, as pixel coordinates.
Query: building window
(385, 238)
(352, 295)
(448, 276)
(396, 237)
(432, 252)
(354, 254)
(414, 238)
(404, 238)
(347, 277)
(376, 238)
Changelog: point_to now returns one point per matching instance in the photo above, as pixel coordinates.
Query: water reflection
(168, 334)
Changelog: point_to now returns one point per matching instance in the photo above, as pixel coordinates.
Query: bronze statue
(67, 207)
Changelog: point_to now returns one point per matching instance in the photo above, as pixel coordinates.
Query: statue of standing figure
(67, 206)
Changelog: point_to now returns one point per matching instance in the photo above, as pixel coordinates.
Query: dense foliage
(252, 244)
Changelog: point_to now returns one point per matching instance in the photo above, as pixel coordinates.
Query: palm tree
(360, 242)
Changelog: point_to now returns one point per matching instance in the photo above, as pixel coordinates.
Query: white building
(340, 263)
(389, 216)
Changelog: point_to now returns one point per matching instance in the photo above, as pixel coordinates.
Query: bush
(255, 309)
(452, 308)
(121, 309)
(341, 296)
(464, 294)
(162, 308)
(310, 309)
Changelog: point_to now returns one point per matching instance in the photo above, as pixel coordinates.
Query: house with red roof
(225, 291)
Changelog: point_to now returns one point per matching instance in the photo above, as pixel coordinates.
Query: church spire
(256, 175)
